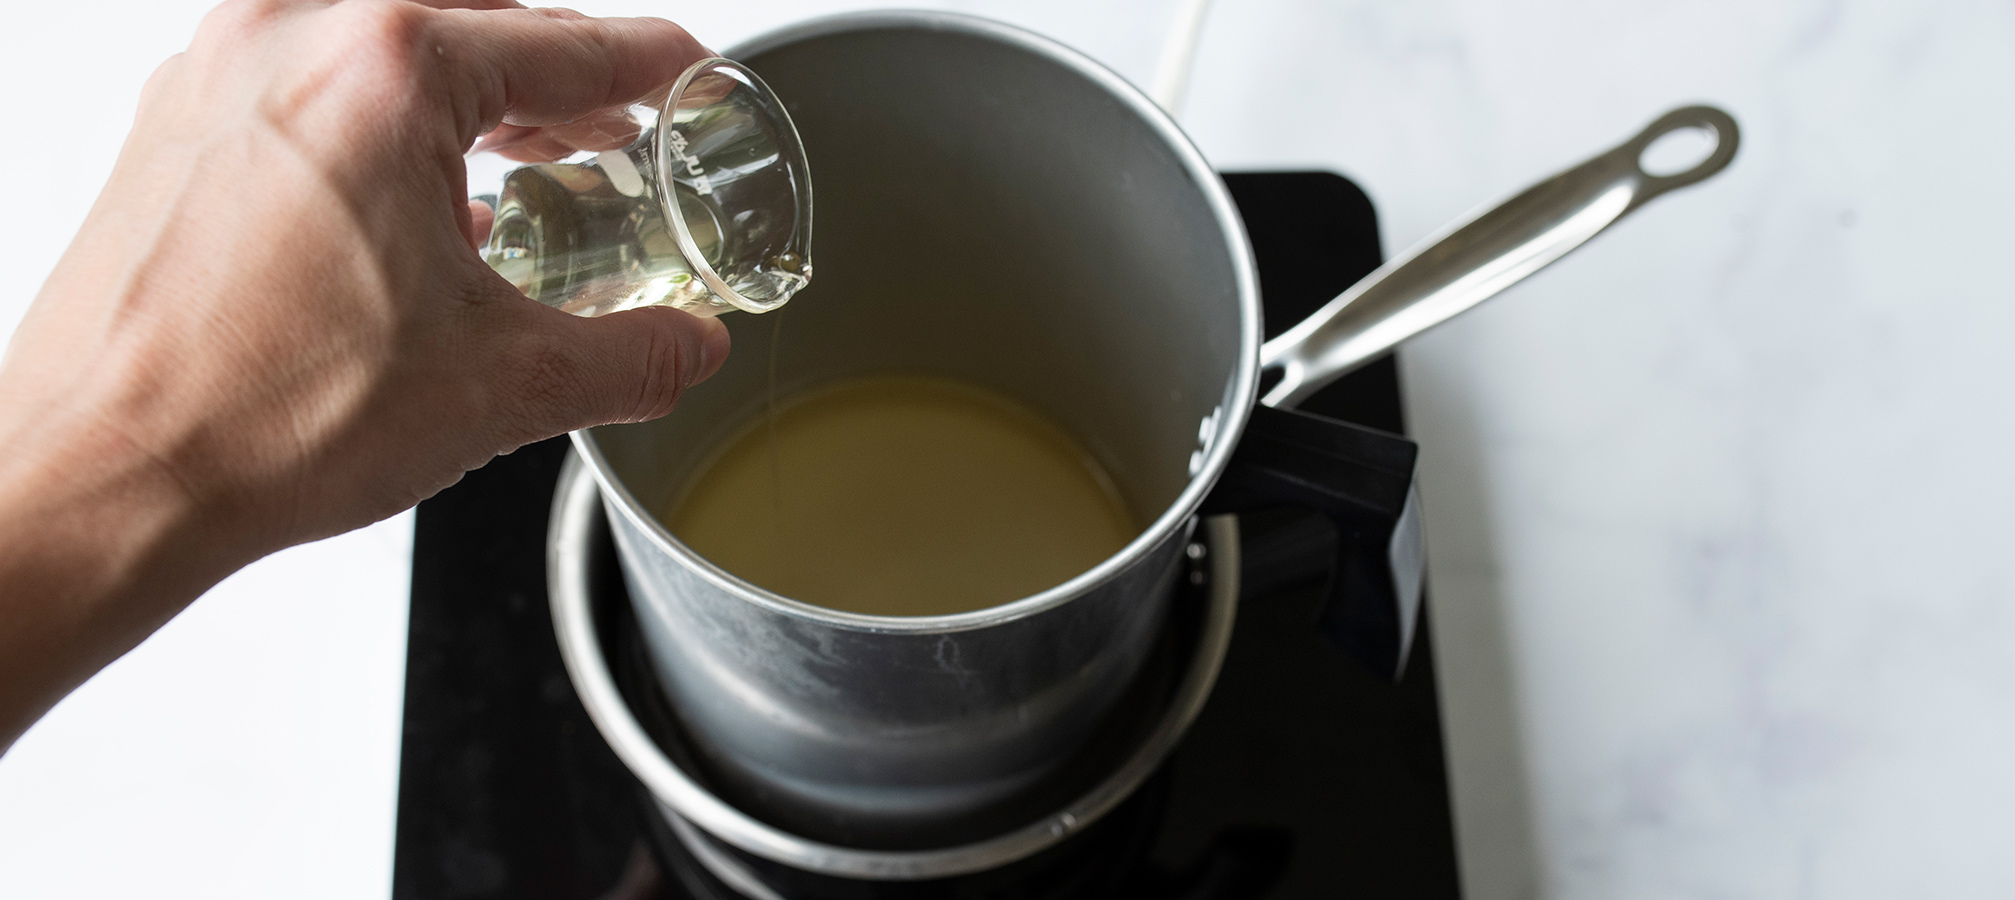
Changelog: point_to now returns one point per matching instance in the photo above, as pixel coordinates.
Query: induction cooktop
(1304, 776)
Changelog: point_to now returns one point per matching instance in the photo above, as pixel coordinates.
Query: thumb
(632, 366)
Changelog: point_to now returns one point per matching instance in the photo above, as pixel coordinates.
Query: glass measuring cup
(698, 199)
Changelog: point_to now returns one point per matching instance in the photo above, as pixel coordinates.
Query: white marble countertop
(1718, 508)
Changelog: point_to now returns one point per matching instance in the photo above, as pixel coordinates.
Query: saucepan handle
(1362, 479)
(1475, 258)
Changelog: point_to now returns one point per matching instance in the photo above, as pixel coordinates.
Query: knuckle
(389, 35)
(559, 13)
(664, 379)
(235, 19)
(365, 54)
(545, 394)
(592, 51)
(162, 76)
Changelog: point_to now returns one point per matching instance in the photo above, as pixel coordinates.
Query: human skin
(273, 326)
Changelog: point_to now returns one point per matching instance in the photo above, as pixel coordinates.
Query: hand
(273, 326)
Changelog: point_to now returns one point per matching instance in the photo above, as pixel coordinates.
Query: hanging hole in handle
(1678, 151)
(1684, 146)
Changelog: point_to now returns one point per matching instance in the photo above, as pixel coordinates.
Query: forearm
(100, 548)
(275, 326)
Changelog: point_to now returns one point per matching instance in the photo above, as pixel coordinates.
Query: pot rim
(567, 575)
(1218, 441)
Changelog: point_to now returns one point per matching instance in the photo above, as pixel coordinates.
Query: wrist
(101, 550)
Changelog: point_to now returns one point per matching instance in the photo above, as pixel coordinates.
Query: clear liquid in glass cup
(704, 203)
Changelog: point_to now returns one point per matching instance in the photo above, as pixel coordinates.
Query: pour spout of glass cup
(1471, 260)
(705, 207)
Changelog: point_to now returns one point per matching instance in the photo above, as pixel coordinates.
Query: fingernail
(714, 346)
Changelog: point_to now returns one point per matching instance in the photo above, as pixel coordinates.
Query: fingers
(562, 372)
(553, 66)
(481, 219)
(608, 129)
(541, 83)
(522, 143)
(471, 4)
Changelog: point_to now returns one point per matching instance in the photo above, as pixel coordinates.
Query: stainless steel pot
(578, 605)
(996, 207)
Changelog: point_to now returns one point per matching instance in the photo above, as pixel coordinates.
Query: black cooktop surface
(1305, 776)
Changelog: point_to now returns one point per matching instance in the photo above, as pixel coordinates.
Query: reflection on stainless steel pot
(998, 208)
